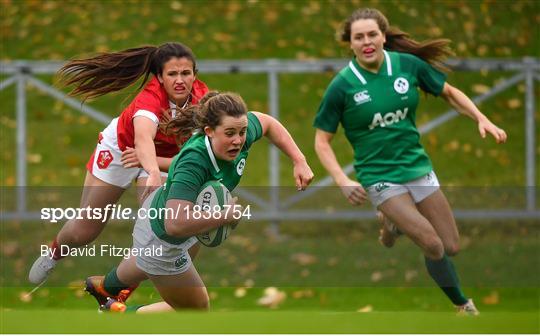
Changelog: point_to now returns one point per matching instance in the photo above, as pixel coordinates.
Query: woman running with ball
(218, 151)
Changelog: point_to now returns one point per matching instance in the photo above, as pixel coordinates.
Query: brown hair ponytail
(110, 72)
(431, 51)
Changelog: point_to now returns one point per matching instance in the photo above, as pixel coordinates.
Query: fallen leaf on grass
(491, 299)
(376, 276)
(77, 284)
(240, 292)
(272, 298)
(33, 158)
(10, 248)
(514, 103)
(303, 259)
(25, 297)
(480, 88)
(305, 293)
(410, 275)
(366, 309)
(333, 261)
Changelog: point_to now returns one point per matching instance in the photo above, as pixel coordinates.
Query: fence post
(21, 139)
(530, 173)
(273, 94)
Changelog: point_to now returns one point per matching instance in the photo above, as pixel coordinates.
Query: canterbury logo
(362, 97)
(381, 186)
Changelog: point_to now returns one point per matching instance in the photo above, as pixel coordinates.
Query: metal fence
(274, 208)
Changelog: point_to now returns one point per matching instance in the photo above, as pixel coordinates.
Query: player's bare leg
(182, 291)
(78, 232)
(404, 213)
(436, 209)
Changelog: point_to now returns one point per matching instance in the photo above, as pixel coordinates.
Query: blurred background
(500, 259)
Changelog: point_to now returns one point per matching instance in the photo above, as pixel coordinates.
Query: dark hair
(431, 51)
(209, 112)
(110, 72)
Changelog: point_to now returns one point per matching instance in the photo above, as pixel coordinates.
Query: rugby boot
(41, 268)
(113, 306)
(468, 309)
(94, 286)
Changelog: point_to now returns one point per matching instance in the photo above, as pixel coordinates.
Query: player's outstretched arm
(464, 105)
(352, 190)
(145, 132)
(280, 137)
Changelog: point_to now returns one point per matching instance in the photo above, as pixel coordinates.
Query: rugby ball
(212, 196)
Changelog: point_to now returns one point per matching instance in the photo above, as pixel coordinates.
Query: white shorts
(172, 259)
(419, 189)
(105, 162)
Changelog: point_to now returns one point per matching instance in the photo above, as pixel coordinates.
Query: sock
(112, 284)
(133, 308)
(57, 255)
(444, 274)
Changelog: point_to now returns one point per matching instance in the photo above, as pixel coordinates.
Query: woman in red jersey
(132, 146)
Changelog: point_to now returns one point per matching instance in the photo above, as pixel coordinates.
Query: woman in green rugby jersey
(374, 98)
(217, 152)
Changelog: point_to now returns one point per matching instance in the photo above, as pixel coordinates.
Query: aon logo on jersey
(388, 119)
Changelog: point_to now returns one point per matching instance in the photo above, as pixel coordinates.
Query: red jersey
(153, 99)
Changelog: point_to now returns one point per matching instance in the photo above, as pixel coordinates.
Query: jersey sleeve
(430, 79)
(147, 104)
(189, 175)
(254, 130)
(330, 109)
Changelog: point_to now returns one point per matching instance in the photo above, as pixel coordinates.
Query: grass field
(47, 321)
(339, 282)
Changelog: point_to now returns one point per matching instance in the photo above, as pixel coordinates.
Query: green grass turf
(497, 264)
(74, 321)
(313, 254)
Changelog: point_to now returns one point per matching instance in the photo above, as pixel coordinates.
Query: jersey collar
(211, 153)
(357, 70)
(174, 108)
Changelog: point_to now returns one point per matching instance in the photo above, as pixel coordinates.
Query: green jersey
(195, 165)
(378, 112)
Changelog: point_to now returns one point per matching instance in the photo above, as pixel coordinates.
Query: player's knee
(201, 301)
(433, 247)
(204, 301)
(452, 249)
(200, 304)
